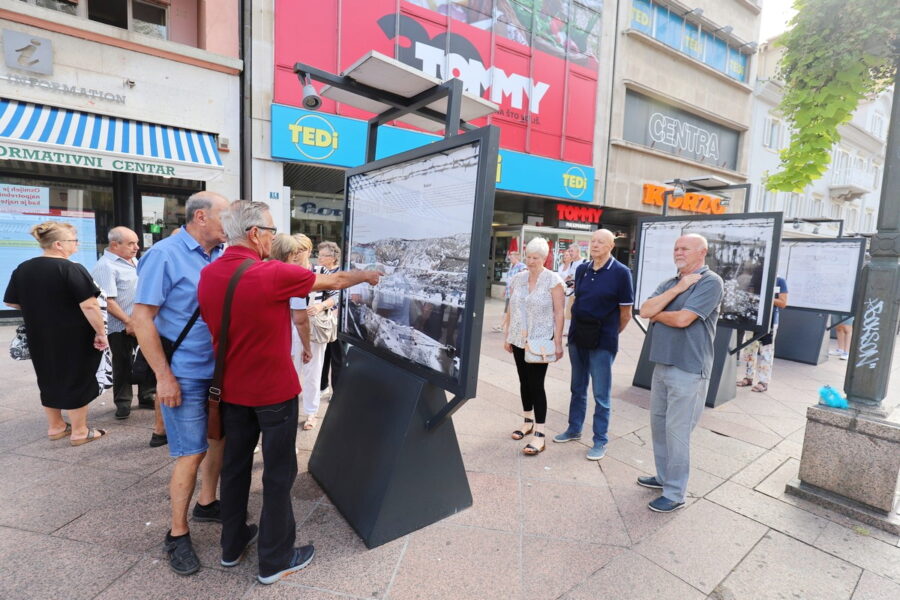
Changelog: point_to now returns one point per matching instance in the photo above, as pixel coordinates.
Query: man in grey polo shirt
(116, 273)
(683, 312)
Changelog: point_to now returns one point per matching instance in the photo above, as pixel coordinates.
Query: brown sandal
(760, 387)
(64, 433)
(531, 450)
(745, 382)
(518, 434)
(92, 436)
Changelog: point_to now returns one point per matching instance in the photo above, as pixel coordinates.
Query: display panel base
(722, 386)
(384, 472)
(802, 336)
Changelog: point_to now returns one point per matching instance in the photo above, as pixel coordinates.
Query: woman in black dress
(66, 334)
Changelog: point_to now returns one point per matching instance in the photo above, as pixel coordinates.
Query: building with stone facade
(113, 113)
(849, 192)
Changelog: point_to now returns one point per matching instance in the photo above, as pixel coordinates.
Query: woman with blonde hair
(536, 306)
(65, 328)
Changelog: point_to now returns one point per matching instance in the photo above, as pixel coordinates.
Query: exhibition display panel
(822, 274)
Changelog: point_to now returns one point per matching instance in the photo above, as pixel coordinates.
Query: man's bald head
(602, 243)
(690, 252)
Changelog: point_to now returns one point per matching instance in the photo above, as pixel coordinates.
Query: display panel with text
(822, 275)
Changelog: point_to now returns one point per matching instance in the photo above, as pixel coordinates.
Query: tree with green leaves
(837, 53)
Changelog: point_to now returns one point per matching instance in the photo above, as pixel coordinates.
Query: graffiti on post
(867, 354)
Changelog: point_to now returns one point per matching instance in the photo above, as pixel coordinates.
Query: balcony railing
(851, 183)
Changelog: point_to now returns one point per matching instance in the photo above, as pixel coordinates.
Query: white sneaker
(845, 356)
(835, 352)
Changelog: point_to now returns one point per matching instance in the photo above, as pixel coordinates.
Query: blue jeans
(186, 423)
(595, 364)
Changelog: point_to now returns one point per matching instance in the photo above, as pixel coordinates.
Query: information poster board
(17, 245)
(743, 251)
(423, 219)
(822, 274)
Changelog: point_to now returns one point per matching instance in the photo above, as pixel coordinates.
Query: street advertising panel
(537, 60)
(422, 218)
(743, 251)
(17, 244)
(822, 274)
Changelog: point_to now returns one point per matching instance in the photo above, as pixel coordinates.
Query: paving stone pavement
(88, 522)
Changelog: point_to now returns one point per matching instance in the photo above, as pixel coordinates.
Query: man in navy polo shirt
(604, 296)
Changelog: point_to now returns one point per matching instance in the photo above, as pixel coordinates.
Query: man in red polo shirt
(260, 386)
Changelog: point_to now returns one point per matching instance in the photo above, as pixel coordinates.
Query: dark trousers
(277, 528)
(531, 385)
(334, 357)
(122, 346)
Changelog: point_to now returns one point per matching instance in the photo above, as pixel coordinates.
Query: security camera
(311, 98)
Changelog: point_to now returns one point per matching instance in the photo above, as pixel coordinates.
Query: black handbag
(141, 372)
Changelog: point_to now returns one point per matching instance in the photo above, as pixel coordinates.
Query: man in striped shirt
(116, 273)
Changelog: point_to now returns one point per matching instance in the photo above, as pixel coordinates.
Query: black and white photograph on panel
(743, 251)
(413, 222)
(822, 274)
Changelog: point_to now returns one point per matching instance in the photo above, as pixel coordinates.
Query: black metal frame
(693, 189)
(840, 240)
(451, 89)
(463, 387)
(773, 259)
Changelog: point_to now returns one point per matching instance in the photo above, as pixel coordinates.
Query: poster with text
(743, 251)
(822, 274)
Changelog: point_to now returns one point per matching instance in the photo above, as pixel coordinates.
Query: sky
(775, 15)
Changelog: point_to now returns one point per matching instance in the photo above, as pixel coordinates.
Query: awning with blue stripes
(40, 133)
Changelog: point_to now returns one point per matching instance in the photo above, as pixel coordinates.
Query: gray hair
(538, 246)
(334, 248)
(241, 216)
(198, 201)
(117, 234)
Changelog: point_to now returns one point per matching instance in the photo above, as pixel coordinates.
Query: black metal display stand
(722, 380)
(381, 467)
(802, 336)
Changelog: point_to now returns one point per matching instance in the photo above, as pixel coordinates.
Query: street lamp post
(877, 309)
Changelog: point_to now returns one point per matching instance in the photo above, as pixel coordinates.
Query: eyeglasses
(263, 227)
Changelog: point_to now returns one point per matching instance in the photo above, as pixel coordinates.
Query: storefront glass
(508, 239)
(318, 216)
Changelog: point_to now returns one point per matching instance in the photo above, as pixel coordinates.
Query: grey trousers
(676, 403)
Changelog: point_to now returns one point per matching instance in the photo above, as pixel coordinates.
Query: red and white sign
(578, 213)
(547, 98)
(24, 198)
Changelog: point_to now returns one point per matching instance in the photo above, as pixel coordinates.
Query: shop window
(149, 19)
(61, 5)
(110, 12)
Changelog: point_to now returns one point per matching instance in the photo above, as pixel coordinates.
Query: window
(767, 200)
(853, 220)
(110, 12)
(870, 222)
(791, 205)
(60, 5)
(876, 127)
(836, 210)
(876, 176)
(149, 19)
(772, 133)
(818, 207)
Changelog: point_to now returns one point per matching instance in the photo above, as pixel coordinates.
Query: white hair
(538, 246)
(241, 216)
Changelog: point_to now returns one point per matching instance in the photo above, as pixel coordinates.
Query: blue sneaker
(649, 482)
(664, 505)
(566, 436)
(597, 452)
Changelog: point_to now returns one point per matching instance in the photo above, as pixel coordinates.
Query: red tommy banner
(536, 59)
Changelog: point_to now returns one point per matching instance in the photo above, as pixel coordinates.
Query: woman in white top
(536, 305)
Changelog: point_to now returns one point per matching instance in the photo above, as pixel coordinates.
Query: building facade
(848, 194)
(539, 62)
(679, 104)
(113, 113)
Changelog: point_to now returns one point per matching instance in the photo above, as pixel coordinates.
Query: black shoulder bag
(215, 428)
(140, 368)
(586, 331)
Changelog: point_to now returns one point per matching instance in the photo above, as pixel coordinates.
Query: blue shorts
(186, 424)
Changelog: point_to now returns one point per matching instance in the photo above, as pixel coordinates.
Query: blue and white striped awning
(39, 133)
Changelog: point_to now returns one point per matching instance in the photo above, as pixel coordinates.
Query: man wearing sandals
(166, 301)
(683, 312)
(260, 386)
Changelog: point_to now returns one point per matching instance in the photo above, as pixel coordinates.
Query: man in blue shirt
(757, 358)
(166, 300)
(604, 296)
